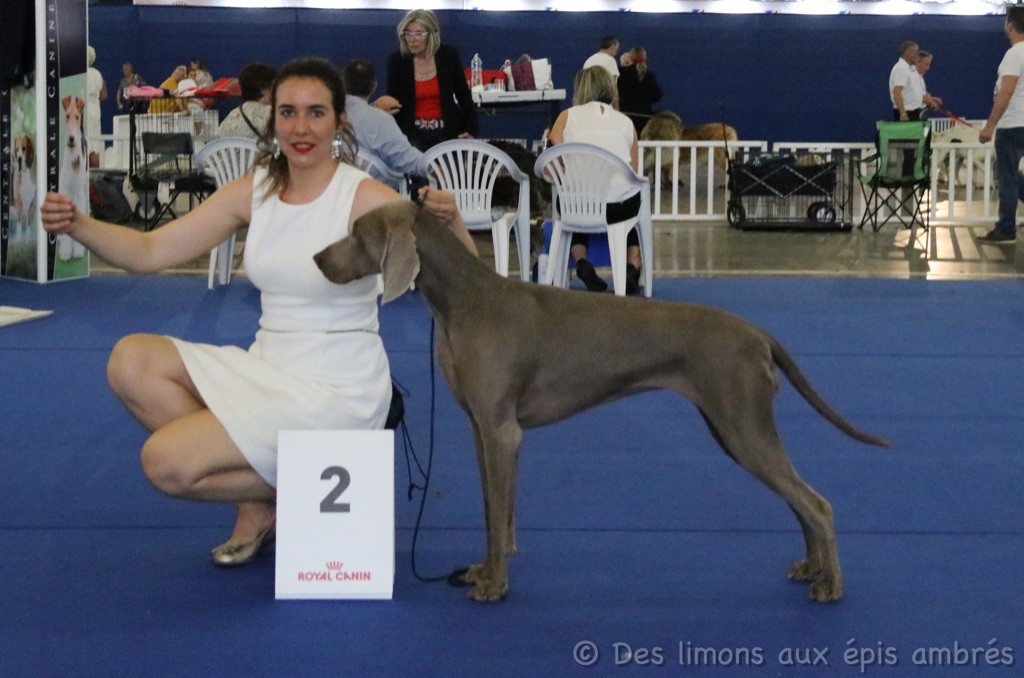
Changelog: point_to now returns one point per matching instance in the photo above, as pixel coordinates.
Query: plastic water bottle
(476, 78)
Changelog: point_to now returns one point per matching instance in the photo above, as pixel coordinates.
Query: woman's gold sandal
(230, 555)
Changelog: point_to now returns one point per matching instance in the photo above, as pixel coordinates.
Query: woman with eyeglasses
(428, 81)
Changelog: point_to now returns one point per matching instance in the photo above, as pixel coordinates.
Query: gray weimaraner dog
(494, 345)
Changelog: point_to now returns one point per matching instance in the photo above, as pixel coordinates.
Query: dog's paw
(826, 590)
(474, 574)
(488, 592)
(802, 570)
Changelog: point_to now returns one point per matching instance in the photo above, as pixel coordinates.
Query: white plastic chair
(580, 177)
(469, 168)
(375, 167)
(227, 159)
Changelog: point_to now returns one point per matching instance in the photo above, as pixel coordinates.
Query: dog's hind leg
(743, 424)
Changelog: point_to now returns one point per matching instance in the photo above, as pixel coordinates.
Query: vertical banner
(64, 73)
(44, 147)
(5, 174)
(19, 221)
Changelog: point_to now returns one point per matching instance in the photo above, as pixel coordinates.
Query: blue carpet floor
(636, 533)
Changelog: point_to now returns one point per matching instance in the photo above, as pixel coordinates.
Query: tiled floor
(943, 252)
(713, 249)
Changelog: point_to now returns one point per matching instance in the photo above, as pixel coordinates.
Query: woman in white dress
(317, 360)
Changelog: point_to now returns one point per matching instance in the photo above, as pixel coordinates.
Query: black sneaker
(632, 281)
(585, 272)
(998, 237)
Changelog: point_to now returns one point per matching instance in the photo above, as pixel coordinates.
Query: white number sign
(335, 514)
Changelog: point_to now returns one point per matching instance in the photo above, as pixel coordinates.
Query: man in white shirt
(906, 88)
(605, 57)
(923, 65)
(1006, 124)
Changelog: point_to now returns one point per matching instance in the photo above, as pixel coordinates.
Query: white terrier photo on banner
(74, 168)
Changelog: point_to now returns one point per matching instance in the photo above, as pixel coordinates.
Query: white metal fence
(689, 183)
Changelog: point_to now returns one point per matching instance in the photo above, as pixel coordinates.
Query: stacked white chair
(469, 168)
(375, 167)
(227, 159)
(580, 177)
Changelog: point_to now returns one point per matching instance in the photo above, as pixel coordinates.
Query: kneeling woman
(592, 119)
(317, 360)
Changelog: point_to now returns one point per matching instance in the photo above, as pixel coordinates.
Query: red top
(428, 99)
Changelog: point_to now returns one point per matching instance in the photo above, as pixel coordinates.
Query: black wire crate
(804, 191)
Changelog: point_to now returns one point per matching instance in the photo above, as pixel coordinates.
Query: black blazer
(457, 108)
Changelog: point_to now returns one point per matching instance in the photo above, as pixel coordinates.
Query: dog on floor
(667, 126)
(492, 338)
(959, 134)
(74, 171)
(23, 187)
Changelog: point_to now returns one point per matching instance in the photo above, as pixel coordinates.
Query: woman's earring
(337, 147)
(277, 149)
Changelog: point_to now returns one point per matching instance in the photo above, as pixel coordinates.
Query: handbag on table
(527, 73)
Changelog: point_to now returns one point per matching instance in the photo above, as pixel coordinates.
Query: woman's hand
(443, 206)
(466, 135)
(59, 214)
(439, 203)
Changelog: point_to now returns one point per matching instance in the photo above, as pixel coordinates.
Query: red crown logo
(334, 565)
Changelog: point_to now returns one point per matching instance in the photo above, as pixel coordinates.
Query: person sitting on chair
(592, 120)
(375, 130)
(250, 119)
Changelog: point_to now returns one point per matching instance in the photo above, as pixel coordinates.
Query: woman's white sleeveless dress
(317, 361)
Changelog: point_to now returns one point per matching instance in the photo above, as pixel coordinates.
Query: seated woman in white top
(593, 120)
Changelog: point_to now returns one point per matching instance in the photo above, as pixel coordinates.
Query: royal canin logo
(335, 571)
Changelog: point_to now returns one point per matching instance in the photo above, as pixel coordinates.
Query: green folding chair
(896, 189)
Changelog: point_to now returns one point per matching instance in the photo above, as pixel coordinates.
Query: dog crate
(805, 191)
(146, 171)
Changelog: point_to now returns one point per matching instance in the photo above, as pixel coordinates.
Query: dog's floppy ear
(400, 263)
(30, 151)
(80, 104)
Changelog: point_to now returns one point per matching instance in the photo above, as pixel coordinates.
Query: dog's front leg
(497, 453)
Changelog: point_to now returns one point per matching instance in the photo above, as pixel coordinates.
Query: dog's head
(382, 242)
(73, 107)
(24, 152)
(663, 126)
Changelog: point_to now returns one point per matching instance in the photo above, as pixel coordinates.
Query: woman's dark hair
(255, 78)
(317, 69)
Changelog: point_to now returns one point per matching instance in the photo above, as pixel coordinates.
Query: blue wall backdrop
(773, 77)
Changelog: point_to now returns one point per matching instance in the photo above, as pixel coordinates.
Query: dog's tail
(792, 371)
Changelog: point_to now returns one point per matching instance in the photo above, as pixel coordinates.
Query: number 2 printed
(330, 503)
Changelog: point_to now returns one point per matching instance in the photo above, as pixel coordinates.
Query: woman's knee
(133, 361)
(123, 366)
(165, 468)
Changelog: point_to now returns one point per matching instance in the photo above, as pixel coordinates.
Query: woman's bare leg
(189, 455)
